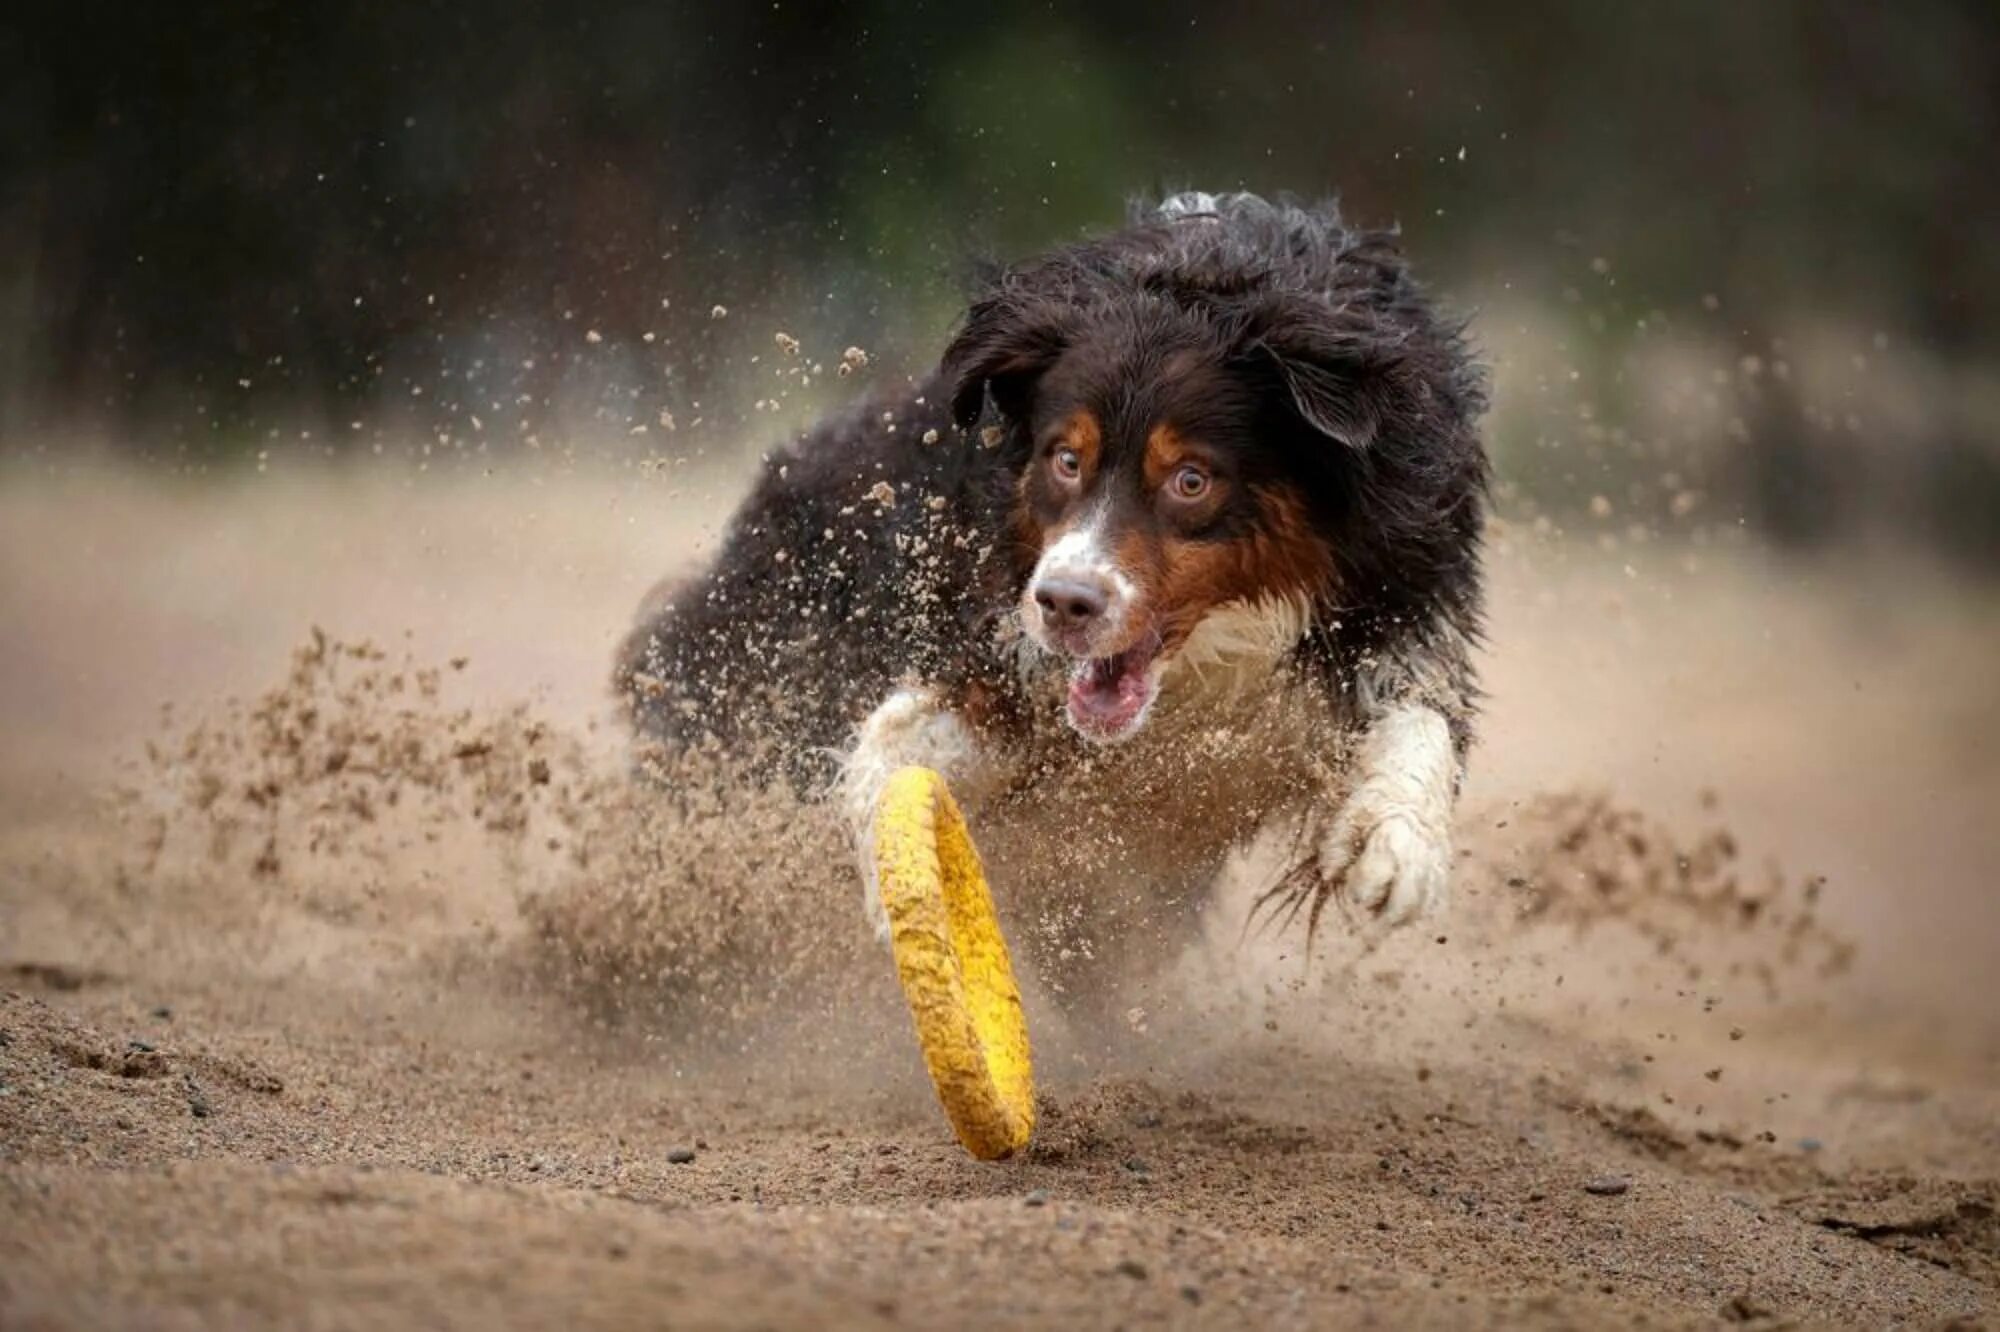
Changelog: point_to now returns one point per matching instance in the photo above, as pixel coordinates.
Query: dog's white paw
(910, 726)
(1385, 865)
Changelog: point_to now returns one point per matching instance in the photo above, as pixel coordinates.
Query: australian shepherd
(1180, 543)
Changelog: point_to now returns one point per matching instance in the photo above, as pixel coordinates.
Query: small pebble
(1036, 1198)
(1133, 1268)
(1608, 1186)
(1743, 1309)
(680, 1155)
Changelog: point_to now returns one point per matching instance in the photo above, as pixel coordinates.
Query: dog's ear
(1009, 339)
(1343, 385)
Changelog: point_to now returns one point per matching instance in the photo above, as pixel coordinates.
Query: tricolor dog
(1180, 543)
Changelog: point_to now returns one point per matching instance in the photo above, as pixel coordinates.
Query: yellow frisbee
(953, 964)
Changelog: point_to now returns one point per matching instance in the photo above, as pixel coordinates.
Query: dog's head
(1193, 439)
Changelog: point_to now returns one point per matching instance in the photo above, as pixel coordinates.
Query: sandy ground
(361, 1003)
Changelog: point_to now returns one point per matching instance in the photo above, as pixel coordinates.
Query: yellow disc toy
(953, 964)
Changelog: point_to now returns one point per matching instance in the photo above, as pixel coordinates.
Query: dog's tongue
(1107, 694)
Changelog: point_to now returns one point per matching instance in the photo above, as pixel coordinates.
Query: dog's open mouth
(1108, 696)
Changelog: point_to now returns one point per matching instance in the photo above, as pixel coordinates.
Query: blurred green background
(1730, 261)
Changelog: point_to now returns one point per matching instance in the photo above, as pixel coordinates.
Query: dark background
(232, 227)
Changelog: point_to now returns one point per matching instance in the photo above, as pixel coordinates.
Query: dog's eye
(1068, 463)
(1189, 483)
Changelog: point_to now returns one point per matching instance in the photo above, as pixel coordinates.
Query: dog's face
(1218, 429)
(1159, 495)
(1231, 431)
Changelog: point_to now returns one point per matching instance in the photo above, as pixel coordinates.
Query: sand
(360, 987)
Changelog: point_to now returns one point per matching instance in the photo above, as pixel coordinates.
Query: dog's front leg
(912, 726)
(1387, 853)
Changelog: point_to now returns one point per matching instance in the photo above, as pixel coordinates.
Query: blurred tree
(222, 218)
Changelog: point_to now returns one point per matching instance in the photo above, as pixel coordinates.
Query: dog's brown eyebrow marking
(1166, 449)
(1082, 433)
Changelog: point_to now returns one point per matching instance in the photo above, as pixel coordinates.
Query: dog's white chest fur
(1233, 742)
(1097, 841)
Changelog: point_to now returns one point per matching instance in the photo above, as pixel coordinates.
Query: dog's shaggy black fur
(889, 544)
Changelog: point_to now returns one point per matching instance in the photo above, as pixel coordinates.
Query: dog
(1179, 543)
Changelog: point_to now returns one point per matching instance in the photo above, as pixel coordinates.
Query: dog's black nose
(1070, 603)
